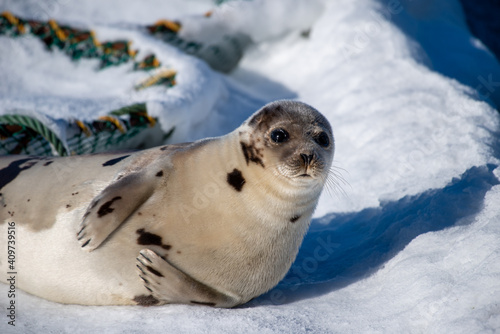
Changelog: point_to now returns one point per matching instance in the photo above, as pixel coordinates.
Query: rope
(20, 133)
(134, 108)
(78, 43)
(162, 77)
(38, 127)
(26, 135)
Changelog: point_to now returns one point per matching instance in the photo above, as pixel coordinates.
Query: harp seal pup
(215, 222)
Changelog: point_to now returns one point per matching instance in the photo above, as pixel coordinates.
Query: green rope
(26, 135)
(77, 43)
(37, 126)
(134, 108)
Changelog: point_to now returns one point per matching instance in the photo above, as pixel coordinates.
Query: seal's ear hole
(279, 135)
(322, 139)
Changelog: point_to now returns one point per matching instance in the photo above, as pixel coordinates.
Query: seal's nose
(307, 158)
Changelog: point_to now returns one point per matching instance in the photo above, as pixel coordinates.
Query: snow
(410, 244)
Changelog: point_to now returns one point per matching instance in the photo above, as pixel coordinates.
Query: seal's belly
(50, 264)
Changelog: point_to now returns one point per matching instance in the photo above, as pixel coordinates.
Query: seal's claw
(171, 285)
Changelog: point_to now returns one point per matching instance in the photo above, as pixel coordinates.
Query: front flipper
(170, 284)
(111, 208)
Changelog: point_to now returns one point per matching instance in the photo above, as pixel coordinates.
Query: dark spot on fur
(202, 303)
(146, 238)
(68, 205)
(235, 179)
(265, 116)
(114, 161)
(144, 300)
(106, 207)
(48, 163)
(139, 213)
(164, 148)
(154, 271)
(29, 199)
(252, 154)
(159, 174)
(294, 219)
(73, 194)
(178, 252)
(10, 172)
(86, 243)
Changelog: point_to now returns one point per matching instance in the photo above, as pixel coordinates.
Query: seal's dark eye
(322, 139)
(279, 136)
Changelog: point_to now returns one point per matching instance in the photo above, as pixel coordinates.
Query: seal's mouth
(305, 175)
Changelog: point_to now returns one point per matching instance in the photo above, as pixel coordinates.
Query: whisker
(337, 172)
(335, 182)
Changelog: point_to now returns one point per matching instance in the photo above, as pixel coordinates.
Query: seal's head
(292, 139)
